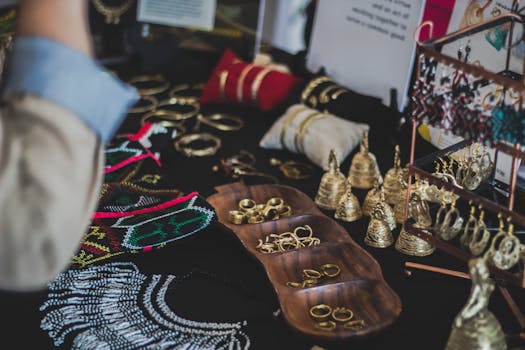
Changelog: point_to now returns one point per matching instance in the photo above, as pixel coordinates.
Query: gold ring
(294, 284)
(320, 311)
(312, 274)
(247, 204)
(342, 314)
(275, 202)
(255, 219)
(285, 211)
(271, 213)
(150, 106)
(163, 84)
(183, 145)
(354, 325)
(236, 217)
(327, 326)
(215, 121)
(309, 283)
(296, 170)
(330, 270)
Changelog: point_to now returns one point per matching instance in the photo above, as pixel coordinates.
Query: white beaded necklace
(103, 305)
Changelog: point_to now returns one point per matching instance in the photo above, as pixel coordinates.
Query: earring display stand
(418, 169)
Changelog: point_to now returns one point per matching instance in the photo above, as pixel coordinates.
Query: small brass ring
(236, 217)
(320, 311)
(247, 204)
(163, 84)
(312, 274)
(305, 228)
(275, 202)
(260, 207)
(295, 284)
(328, 326)
(309, 283)
(183, 145)
(285, 211)
(256, 219)
(150, 106)
(252, 212)
(342, 314)
(330, 270)
(354, 325)
(271, 213)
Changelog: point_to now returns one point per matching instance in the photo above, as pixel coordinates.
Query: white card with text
(178, 13)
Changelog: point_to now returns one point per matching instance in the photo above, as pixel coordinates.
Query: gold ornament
(387, 210)
(419, 211)
(475, 327)
(364, 170)
(372, 197)
(410, 244)
(112, 13)
(395, 179)
(332, 185)
(348, 208)
(378, 234)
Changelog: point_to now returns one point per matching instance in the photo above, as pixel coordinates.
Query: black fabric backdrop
(229, 285)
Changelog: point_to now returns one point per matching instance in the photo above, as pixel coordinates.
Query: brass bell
(364, 170)
(476, 327)
(395, 179)
(410, 244)
(372, 197)
(387, 210)
(332, 185)
(348, 208)
(378, 234)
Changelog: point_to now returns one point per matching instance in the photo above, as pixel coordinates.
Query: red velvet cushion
(274, 87)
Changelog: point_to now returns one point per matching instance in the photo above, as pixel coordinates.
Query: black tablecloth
(229, 285)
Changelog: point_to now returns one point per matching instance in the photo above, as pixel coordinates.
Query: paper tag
(178, 13)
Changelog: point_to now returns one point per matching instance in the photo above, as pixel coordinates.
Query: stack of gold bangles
(329, 317)
(252, 213)
(302, 236)
(312, 277)
(187, 93)
(150, 84)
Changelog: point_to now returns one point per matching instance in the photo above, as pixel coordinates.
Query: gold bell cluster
(364, 171)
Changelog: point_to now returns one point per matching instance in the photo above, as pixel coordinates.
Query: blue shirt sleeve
(61, 74)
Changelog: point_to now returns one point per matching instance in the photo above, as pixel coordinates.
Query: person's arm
(59, 107)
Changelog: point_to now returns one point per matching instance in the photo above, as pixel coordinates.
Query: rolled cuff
(61, 74)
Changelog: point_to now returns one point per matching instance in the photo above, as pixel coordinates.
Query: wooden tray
(360, 285)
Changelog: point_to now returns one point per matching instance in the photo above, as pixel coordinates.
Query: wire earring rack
(430, 50)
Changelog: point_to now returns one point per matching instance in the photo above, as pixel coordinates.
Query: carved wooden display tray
(360, 286)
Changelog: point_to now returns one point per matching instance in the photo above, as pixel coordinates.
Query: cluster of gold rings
(302, 236)
(252, 213)
(312, 277)
(328, 318)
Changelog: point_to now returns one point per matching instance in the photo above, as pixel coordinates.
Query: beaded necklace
(115, 306)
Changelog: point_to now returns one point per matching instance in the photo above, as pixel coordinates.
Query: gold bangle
(323, 95)
(288, 121)
(213, 120)
(240, 81)
(156, 78)
(176, 115)
(257, 82)
(152, 104)
(186, 98)
(320, 311)
(301, 130)
(312, 85)
(183, 145)
(223, 76)
(163, 118)
(330, 270)
(338, 92)
(342, 314)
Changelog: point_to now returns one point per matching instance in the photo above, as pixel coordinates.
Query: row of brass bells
(395, 179)
(348, 208)
(378, 233)
(332, 186)
(364, 170)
